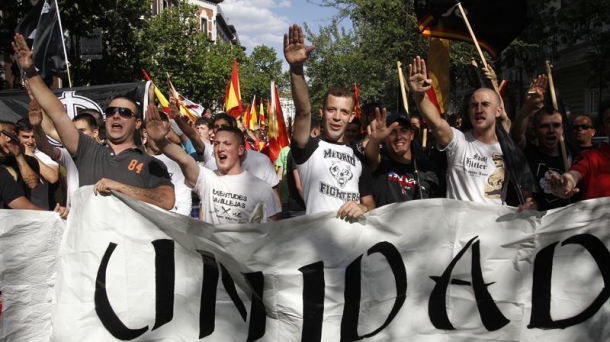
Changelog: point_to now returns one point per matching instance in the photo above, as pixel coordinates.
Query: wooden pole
(549, 75)
(424, 139)
(403, 87)
(474, 39)
(562, 144)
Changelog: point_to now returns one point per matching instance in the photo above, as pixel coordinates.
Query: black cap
(402, 119)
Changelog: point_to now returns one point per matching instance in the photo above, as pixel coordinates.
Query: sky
(264, 22)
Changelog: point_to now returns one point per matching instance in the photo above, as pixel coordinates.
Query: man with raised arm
(332, 175)
(229, 194)
(118, 165)
(400, 170)
(476, 167)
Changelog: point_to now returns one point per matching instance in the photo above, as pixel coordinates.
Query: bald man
(475, 163)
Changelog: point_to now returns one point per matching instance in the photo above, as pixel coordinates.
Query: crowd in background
(217, 170)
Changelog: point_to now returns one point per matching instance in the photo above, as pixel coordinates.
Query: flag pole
(562, 143)
(403, 87)
(474, 39)
(63, 44)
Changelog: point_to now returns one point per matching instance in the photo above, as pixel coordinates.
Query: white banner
(433, 270)
(29, 242)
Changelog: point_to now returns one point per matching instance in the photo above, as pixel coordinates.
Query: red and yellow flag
(357, 110)
(261, 113)
(277, 134)
(245, 118)
(183, 110)
(232, 101)
(162, 100)
(253, 115)
(438, 72)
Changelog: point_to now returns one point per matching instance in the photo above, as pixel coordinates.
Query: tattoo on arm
(154, 195)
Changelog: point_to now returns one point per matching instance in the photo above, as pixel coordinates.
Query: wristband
(31, 72)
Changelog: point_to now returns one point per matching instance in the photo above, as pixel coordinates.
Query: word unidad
(313, 292)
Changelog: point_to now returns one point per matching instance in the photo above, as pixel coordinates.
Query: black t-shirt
(10, 163)
(291, 165)
(132, 166)
(397, 182)
(9, 188)
(540, 164)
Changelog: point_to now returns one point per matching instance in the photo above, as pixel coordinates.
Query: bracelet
(31, 72)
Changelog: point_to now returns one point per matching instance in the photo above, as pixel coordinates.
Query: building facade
(580, 83)
(212, 21)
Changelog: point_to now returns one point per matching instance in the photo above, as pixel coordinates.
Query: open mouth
(116, 126)
(479, 118)
(551, 139)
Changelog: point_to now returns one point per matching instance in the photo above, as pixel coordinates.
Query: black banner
(14, 103)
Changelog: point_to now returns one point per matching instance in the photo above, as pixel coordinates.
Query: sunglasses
(583, 127)
(123, 112)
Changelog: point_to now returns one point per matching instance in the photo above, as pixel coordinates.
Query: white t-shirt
(330, 173)
(257, 164)
(184, 201)
(208, 154)
(475, 170)
(40, 194)
(232, 198)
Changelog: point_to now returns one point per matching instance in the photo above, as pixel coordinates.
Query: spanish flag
(261, 113)
(233, 104)
(438, 72)
(162, 100)
(183, 110)
(277, 134)
(253, 115)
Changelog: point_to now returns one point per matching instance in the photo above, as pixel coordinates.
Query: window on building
(204, 25)
(592, 104)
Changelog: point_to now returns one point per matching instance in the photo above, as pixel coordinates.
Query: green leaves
(169, 43)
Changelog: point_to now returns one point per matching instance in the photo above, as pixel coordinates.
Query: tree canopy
(362, 51)
(383, 32)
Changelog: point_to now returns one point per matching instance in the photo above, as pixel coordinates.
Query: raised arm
(45, 97)
(187, 130)
(534, 101)
(296, 54)
(36, 120)
(157, 131)
(377, 131)
(491, 76)
(46, 124)
(419, 84)
(50, 173)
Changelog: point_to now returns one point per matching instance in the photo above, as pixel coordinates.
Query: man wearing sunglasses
(589, 174)
(584, 131)
(118, 165)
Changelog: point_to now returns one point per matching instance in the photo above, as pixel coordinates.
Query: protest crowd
(217, 169)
